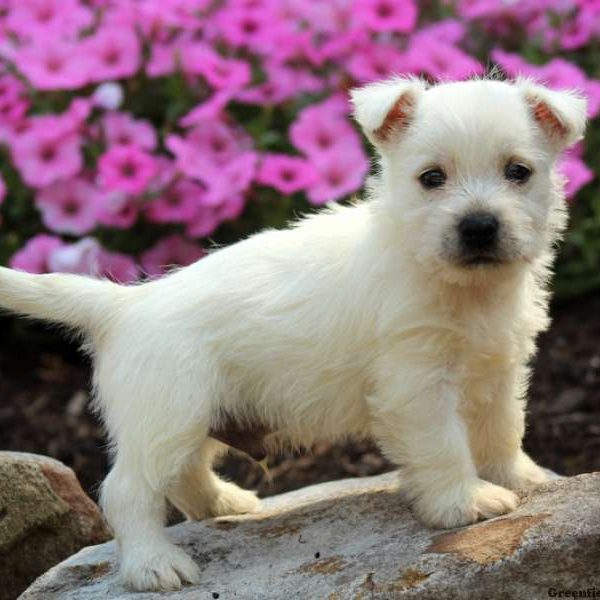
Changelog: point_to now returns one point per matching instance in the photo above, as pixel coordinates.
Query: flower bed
(132, 131)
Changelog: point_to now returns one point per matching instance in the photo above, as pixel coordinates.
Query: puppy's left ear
(560, 115)
(385, 109)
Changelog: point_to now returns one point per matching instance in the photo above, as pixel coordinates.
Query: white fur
(358, 320)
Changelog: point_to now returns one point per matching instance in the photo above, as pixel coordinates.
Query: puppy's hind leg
(199, 493)
(136, 511)
(134, 501)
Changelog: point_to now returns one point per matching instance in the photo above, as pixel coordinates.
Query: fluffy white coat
(357, 320)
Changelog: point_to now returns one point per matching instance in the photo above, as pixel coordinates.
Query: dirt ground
(44, 409)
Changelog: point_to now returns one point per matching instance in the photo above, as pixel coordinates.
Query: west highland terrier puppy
(410, 317)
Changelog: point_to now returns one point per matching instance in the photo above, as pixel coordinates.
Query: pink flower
(13, 104)
(210, 143)
(282, 84)
(63, 18)
(208, 110)
(576, 172)
(162, 59)
(114, 52)
(35, 254)
(121, 129)
(177, 204)
(252, 29)
(44, 155)
(340, 174)
(377, 61)
(386, 15)
(428, 55)
(126, 169)
(208, 218)
(87, 257)
(116, 209)
(118, 267)
(69, 206)
(221, 73)
(2, 190)
(577, 31)
(170, 252)
(224, 198)
(288, 174)
(320, 130)
(53, 64)
(558, 74)
(80, 258)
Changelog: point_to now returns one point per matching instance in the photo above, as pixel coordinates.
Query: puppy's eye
(517, 172)
(433, 178)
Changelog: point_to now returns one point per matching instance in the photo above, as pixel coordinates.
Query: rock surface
(355, 539)
(45, 517)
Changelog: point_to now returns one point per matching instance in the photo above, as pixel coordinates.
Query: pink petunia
(288, 174)
(118, 267)
(172, 251)
(114, 53)
(177, 204)
(576, 172)
(116, 209)
(87, 257)
(253, 29)
(386, 15)
(339, 175)
(440, 60)
(210, 143)
(53, 64)
(377, 61)
(221, 73)
(208, 110)
(320, 130)
(80, 258)
(31, 18)
(34, 256)
(69, 206)
(43, 155)
(558, 74)
(121, 129)
(208, 218)
(13, 102)
(283, 83)
(127, 169)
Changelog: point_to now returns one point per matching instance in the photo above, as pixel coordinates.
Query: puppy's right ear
(385, 108)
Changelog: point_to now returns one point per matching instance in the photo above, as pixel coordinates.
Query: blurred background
(137, 134)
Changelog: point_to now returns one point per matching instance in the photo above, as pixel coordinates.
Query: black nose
(479, 231)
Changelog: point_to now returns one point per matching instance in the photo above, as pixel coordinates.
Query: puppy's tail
(72, 300)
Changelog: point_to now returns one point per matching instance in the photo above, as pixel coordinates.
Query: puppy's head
(468, 169)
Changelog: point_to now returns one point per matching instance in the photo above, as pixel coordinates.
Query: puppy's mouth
(482, 260)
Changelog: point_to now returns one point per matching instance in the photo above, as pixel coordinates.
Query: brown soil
(44, 409)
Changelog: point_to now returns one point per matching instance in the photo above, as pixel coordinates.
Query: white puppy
(410, 317)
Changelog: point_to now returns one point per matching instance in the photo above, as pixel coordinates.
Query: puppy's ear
(385, 108)
(560, 115)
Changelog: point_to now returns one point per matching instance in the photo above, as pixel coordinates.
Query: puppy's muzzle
(479, 235)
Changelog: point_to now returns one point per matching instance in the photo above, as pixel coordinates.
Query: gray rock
(356, 539)
(45, 517)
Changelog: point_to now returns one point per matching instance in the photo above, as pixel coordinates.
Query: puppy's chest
(482, 358)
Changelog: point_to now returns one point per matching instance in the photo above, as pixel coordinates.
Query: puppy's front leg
(497, 428)
(415, 419)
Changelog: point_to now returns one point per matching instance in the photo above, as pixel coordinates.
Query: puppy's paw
(233, 500)
(464, 503)
(162, 567)
(521, 474)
